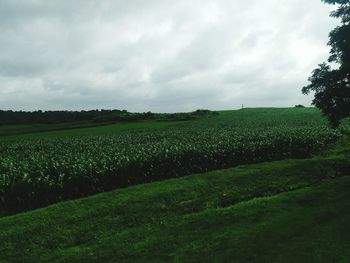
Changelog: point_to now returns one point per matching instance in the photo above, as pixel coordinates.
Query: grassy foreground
(284, 211)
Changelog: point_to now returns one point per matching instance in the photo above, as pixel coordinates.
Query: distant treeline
(49, 117)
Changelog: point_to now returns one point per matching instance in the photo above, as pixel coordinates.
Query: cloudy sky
(159, 55)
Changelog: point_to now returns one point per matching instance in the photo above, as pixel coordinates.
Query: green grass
(15, 130)
(284, 211)
(20, 132)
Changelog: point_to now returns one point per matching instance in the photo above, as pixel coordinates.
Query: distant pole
(242, 106)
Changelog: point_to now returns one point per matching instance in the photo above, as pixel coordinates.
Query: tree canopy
(332, 84)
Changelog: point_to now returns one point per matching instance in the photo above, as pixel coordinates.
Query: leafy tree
(332, 85)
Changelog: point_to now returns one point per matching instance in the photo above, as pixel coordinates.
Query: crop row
(34, 173)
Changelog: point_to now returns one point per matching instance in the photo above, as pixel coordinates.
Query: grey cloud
(158, 55)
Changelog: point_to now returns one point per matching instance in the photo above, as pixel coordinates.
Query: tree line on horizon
(47, 117)
(9, 117)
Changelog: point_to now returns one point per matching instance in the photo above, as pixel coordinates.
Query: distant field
(40, 168)
(15, 132)
(23, 129)
(264, 117)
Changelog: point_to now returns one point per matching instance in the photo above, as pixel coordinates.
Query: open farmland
(39, 169)
(179, 131)
(281, 211)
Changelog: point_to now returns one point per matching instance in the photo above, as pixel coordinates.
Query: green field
(292, 210)
(43, 168)
(262, 117)
(285, 211)
(16, 132)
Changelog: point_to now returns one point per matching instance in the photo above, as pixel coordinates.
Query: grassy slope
(285, 211)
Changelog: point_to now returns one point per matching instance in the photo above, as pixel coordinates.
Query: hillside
(291, 210)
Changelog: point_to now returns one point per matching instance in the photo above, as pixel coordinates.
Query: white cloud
(159, 55)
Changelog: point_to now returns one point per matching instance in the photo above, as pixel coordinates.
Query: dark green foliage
(332, 86)
(332, 95)
(92, 116)
(37, 172)
(25, 117)
(187, 116)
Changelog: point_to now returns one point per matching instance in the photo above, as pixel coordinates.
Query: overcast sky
(159, 55)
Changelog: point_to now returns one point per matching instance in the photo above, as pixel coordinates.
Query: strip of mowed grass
(20, 129)
(285, 211)
(66, 130)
